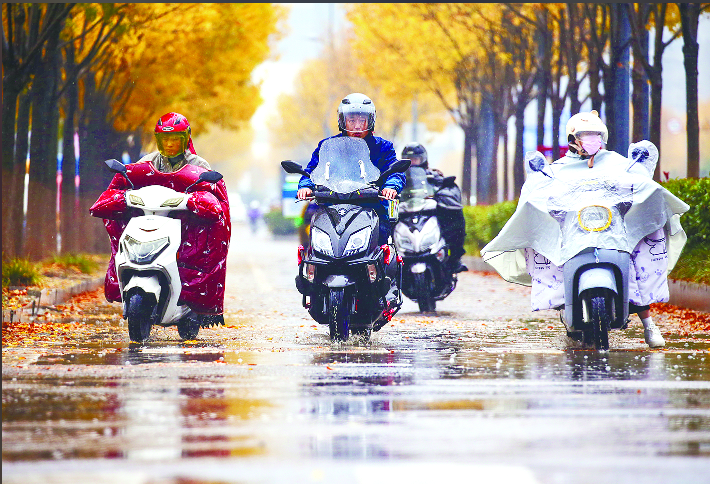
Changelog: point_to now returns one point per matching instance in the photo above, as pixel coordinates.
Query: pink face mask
(591, 144)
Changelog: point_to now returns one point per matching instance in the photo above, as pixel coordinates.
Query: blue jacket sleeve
(306, 182)
(389, 156)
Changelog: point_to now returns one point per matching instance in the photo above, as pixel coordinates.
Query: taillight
(372, 272)
(301, 250)
(387, 251)
(310, 272)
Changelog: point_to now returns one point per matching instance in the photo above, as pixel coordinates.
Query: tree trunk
(13, 192)
(619, 141)
(557, 107)
(484, 151)
(466, 175)
(689, 20)
(640, 96)
(543, 84)
(41, 218)
(69, 234)
(594, 82)
(9, 110)
(518, 159)
(506, 163)
(493, 177)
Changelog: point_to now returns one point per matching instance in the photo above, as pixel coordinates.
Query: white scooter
(146, 261)
(588, 222)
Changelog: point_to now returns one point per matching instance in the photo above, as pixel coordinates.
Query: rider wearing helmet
(449, 210)
(174, 140)
(175, 151)
(356, 118)
(586, 134)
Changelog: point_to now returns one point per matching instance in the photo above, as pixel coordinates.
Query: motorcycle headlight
(144, 252)
(594, 218)
(321, 242)
(358, 241)
(402, 241)
(429, 239)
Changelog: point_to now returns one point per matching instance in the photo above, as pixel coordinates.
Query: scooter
(146, 261)
(588, 221)
(417, 236)
(345, 276)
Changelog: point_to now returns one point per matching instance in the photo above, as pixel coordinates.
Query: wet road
(485, 391)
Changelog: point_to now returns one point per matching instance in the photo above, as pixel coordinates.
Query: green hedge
(696, 221)
(483, 222)
(278, 224)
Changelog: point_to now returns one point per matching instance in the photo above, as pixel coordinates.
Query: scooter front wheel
(138, 314)
(427, 304)
(600, 322)
(338, 315)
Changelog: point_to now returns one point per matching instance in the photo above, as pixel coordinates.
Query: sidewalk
(684, 294)
(57, 290)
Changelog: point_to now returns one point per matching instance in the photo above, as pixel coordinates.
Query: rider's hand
(304, 193)
(389, 193)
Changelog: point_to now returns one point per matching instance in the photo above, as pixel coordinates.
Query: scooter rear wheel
(138, 314)
(338, 315)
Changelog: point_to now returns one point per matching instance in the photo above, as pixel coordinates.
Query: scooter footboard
(596, 268)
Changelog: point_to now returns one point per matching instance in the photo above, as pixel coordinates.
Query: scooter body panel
(157, 272)
(343, 268)
(596, 268)
(424, 251)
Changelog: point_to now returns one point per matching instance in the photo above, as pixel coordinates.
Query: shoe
(460, 268)
(653, 336)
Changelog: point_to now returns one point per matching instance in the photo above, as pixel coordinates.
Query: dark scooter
(348, 281)
(426, 277)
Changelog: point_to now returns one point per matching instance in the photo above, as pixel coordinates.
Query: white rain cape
(548, 222)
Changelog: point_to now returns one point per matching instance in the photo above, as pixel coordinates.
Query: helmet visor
(171, 144)
(415, 159)
(589, 136)
(356, 122)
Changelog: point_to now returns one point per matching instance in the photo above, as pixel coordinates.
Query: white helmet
(586, 123)
(357, 103)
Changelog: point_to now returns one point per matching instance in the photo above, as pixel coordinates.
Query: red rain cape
(206, 232)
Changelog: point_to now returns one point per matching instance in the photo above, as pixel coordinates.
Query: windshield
(599, 204)
(416, 190)
(344, 165)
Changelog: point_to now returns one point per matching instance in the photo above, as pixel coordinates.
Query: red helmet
(174, 124)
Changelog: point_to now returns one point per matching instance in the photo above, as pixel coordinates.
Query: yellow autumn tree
(196, 59)
(310, 113)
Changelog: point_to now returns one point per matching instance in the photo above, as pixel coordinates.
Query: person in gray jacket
(449, 209)
(173, 136)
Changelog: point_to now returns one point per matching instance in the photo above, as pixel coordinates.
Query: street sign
(289, 188)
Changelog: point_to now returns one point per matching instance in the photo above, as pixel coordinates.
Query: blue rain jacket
(382, 155)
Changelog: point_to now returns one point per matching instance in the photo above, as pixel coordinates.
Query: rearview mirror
(536, 162)
(449, 181)
(210, 176)
(293, 167)
(118, 167)
(399, 166)
(115, 166)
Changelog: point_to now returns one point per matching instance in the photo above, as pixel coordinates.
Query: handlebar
(363, 194)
